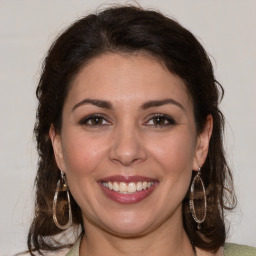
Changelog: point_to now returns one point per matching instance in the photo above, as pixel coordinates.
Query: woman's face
(128, 144)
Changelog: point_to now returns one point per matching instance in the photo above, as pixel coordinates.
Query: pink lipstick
(127, 189)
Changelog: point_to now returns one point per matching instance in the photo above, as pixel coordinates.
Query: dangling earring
(62, 186)
(192, 198)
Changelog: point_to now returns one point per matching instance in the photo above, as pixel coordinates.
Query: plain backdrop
(226, 28)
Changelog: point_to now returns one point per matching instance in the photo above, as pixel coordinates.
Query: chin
(129, 231)
(129, 225)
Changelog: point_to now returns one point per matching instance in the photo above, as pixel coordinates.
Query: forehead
(127, 79)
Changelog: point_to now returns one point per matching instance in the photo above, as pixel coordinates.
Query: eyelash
(170, 121)
(85, 121)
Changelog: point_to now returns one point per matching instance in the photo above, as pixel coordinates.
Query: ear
(203, 141)
(57, 148)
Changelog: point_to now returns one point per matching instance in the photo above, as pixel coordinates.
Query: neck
(169, 239)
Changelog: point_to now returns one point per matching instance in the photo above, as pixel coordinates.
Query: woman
(129, 137)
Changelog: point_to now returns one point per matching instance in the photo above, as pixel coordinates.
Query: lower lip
(128, 198)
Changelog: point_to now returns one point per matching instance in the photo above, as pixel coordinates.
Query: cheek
(175, 153)
(81, 154)
(175, 159)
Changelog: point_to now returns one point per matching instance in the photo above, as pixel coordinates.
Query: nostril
(128, 155)
(126, 160)
(127, 147)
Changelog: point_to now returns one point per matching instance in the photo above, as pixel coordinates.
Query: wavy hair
(129, 29)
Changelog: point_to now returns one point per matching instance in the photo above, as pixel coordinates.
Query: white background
(227, 30)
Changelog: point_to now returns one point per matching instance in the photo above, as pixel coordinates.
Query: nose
(127, 148)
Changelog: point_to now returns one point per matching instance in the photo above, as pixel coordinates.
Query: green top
(239, 250)
(229, 250)
(74, 251)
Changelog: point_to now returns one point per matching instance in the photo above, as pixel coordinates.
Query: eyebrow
(146, 105)
(98, 103)
(158, 103)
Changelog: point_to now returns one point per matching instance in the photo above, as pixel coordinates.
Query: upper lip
(127, 179)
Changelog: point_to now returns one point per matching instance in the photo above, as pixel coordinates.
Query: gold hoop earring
(62, 186)
(192, 198)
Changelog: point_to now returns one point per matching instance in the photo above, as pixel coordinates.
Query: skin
(129, 140)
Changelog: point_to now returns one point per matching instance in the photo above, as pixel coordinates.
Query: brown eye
(94, 120)
(160, 120)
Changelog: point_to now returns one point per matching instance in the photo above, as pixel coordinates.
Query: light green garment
(239, 250)
(229, 250)
(74, 251)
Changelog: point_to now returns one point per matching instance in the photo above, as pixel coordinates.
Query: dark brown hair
(130, 30)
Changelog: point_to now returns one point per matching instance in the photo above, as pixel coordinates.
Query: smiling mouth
(127, 188)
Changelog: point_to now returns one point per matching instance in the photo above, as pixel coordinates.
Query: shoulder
(239, 250)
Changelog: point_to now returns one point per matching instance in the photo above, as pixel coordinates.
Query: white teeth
(139, 186)
(122, 187)
(132, 187)
(105, 184)
(115, 186)
(110, 186)
(127, 188)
